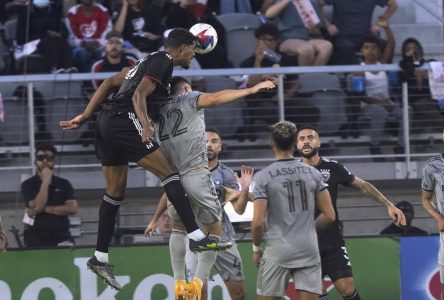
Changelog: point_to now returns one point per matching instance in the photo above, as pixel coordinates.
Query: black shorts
(335, 261)
(118, 138)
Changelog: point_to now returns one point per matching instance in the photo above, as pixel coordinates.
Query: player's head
(45, 156)
(283, 135)
(180, 44)
(308, 141)
(371, 49)
(214, 143)
(179, 85)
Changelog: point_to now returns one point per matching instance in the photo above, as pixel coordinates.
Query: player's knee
(347, 289)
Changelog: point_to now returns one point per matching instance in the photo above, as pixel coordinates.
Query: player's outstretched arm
(227, 96)
(244, 196)
(161, 207)
(373, 193)
(101, 94)
(427, 203)
(328, 215)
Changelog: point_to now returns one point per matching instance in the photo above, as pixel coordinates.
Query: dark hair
(213, 130)
(179, 37)
(284, 135)
(309, 127)
(371, 39)
(409, 40)
(266, 28)
(175, 84)
(45, 147)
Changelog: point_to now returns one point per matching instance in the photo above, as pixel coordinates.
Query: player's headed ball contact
(206, 37)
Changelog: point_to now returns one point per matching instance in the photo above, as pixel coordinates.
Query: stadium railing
(325, 98)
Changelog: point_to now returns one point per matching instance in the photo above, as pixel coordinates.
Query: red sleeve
(103, 19)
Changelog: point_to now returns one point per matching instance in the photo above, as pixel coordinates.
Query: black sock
(176, 195)
(353, 296)
(107, 220)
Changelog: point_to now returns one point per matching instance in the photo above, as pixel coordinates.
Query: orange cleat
(180, 290)
(194, 289)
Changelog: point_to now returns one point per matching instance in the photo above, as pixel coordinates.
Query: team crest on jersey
(325, 174)
(217, 181)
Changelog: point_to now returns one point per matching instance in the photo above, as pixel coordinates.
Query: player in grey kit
(182, 136)
(433, 183)
(228, 262)
(285, 195)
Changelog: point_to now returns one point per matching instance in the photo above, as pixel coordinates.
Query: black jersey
(333, 174)
(158, 66)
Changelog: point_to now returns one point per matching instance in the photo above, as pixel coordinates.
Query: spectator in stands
(185, 14)
(140, 26)
(233, 6)
(262, 107)
(298, 36)
(379, 108)
(88, 23)
(351, 23)
(45, 24)
(408, 229)
(164, 226)
(49, 200)
(426, 114)
(114, 59)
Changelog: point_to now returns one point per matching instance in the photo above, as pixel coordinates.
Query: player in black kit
(124, 133)
(334, 257)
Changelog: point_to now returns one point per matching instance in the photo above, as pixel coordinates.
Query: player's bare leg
(115, 177)
(236, 289)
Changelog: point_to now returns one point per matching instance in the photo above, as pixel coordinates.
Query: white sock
(196, 235)
(101, 256)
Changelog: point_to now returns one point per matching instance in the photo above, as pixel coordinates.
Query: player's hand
(245, 178)
(147, 135)
(441, 224)
(151, 228)
(264, 85)
(256, 258)
(3, 241)
(73, 123)
(396, 214)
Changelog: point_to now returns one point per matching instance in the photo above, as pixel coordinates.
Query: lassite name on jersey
(289, 171)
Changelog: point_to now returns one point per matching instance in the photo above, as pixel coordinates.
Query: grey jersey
(181, 132)
(224, 176)
(433, 181)
(290, 188)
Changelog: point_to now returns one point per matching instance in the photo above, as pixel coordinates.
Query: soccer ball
(206, 37)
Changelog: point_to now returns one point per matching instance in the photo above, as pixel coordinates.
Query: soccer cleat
(180, 290)
(194, 290)
(104, 271)
(209, 243)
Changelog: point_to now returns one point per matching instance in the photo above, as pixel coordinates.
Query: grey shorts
(441, 262)
(228, 264)
(203, 198)
(272, 279)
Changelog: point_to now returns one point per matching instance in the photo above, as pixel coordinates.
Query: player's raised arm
(227, 96)
(101, 94)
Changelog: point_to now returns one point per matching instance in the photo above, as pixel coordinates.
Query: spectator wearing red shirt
(88, 23)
